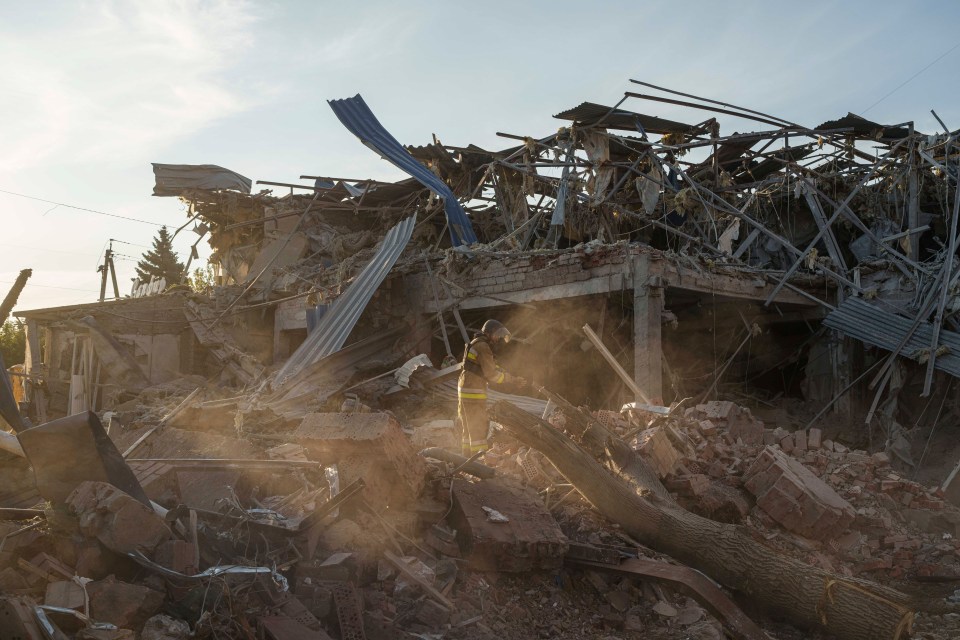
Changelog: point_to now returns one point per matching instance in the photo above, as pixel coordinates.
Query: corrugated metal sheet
(359, 119)
(878, 328)
(863, 127)
(173, 179)
(591, 113)
(535, 406)
(336, 324)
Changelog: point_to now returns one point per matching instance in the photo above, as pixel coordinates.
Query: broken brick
(529, 540)
(655, 446)
(796, 498)
(800, 440)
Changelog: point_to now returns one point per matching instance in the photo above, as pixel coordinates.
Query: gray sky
(96, 90)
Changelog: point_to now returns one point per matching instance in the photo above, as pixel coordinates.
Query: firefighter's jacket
(479, 368)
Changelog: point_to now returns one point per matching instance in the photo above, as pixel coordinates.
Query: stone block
(370, 446)
(814, 438)
(117, 520)
(530, 540)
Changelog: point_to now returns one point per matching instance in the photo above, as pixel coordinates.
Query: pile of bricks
(857, 512)
(795, 497)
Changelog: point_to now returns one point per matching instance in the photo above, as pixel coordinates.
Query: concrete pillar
(647, 347)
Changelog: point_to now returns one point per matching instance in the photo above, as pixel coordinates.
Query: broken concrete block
(66, 594)
(743, 426)
(128, 606)
(655, 446)
(370, 446)
(796, 498)
(814, 437)
(690, 485)
(800, 440)
(117, 520)
(707, 428)
(436, 433)
(717, 409)
(529, 540)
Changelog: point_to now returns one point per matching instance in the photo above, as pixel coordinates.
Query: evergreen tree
(161, 261)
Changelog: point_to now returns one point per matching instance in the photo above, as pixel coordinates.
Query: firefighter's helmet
(495, 330)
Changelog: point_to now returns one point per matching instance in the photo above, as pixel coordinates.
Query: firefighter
(479, 369)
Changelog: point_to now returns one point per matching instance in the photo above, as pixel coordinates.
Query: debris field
(724, 407)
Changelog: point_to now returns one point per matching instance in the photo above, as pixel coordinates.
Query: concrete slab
(530, 540)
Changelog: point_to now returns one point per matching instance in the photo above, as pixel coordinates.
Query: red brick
(795, 497)
(787, 444)
(718, 409)
(876, 564)
(531, 540)
(800, 440)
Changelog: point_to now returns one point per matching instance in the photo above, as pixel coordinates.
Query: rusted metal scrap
(706, 592)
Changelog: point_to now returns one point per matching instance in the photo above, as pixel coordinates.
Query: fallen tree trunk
(605, 445)
(810, 598)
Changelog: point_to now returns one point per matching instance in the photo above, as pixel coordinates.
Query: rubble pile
(279, 455)
(850, 510)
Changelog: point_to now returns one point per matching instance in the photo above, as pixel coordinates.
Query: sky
(94, 91)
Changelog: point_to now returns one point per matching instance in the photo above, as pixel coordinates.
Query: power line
(70, 206)
(20, 246)
(132, 244)
(899, 86)
(49, 286)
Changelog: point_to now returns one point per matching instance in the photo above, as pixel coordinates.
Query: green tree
(161, 261)
(202, 280)
(13, 342)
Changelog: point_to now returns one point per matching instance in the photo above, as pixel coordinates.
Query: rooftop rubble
(277, 458)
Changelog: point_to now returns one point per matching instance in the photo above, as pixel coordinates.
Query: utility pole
(107, 266)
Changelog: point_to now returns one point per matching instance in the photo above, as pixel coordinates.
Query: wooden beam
(612, 361)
